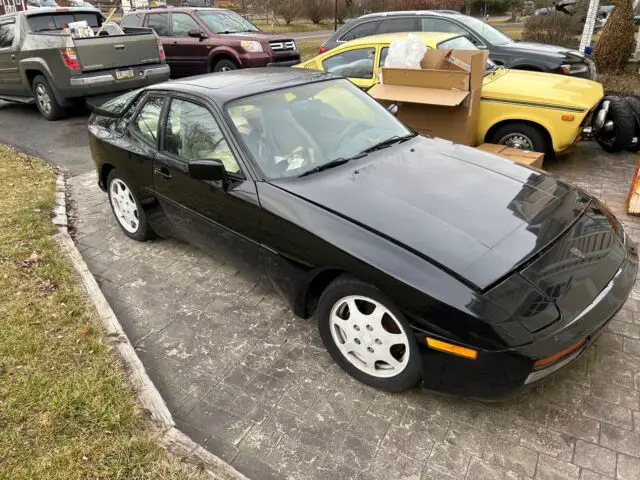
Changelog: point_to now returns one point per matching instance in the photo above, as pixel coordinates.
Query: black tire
(624, 126)
(529, 136)
(224, 65)
(143, 231)
(46, 101)
(345, 286)
(634, 105)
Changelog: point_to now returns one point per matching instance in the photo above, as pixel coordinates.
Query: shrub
(617, 40)
(316, 10)
(553, 29)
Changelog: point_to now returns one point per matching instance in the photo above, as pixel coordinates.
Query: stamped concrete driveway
(255, 386)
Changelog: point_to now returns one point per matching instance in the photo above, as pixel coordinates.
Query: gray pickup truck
(42, 62)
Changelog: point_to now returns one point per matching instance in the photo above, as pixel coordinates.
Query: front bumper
(90, 84)
(497, 375)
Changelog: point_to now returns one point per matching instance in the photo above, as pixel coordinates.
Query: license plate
(124, 74)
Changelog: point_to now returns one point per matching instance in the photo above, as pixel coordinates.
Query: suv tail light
(323, 49)
(161, 51)
(70, 58)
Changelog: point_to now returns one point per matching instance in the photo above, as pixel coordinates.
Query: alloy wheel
(369, 336)
(44, 100)
(124, 205)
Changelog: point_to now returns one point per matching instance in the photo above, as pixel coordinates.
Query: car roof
(384, 38)
(176, 9)
(440, 13)
(224, 87)
(45, 10)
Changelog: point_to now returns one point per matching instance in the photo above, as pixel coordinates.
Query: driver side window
(356, 63)
(192, 133)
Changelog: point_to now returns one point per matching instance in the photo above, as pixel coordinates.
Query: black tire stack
(624, 112)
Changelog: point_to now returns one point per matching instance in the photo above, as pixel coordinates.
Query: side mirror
(212, 170)
(393, 109)
(196, 33)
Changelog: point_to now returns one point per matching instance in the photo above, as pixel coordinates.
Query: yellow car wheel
(521, 135)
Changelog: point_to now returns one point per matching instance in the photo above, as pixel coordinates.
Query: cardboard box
(531, 159)
(442, 97)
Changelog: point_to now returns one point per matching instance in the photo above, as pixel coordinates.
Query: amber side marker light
(543, 362)
(568, 118)
(450, 348)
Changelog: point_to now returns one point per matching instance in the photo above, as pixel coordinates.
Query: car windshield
(115, 105)
(304, 129)
(485, 31)
(226, 22)
(463, 43)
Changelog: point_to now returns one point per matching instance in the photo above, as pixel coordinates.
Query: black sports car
(422, 260)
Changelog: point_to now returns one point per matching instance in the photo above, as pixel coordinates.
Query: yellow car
(528, 110)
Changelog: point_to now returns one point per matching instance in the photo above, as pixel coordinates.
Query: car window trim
(135, 116)
(240, 176)
(10, 21)
(358, 47)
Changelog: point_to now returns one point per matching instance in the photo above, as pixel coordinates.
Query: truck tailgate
(117, 51)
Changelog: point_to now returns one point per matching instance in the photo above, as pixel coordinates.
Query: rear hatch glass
(57, 21)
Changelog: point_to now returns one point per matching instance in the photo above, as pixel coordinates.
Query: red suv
(203, 40)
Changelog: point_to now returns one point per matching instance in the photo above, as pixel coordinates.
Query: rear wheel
(618, 126)
(46, 101)
(368, 336)
(522, 136)
(224, 65)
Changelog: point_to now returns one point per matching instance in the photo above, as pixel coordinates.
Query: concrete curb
(146, 392)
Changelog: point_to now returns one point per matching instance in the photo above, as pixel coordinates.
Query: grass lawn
(295, 26)
(66, 410)
(309, 48)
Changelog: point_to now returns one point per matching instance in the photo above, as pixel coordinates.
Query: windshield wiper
(333, 163)
(388, 142)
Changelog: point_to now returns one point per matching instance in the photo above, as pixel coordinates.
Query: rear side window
(146, 123)
(395, 25)
(7, 31)
(354, 63)
(131, 20)
(159, 22)
(359, 31)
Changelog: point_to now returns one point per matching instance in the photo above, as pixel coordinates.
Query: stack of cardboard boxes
(442, 98)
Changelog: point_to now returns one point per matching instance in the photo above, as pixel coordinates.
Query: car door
(189, 54)
(10, 81)
(222, 220)
(355, 63)
(159, 22)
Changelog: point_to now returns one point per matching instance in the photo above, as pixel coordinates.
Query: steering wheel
(351, 131)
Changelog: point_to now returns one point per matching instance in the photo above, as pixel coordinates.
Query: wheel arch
(105, 170)
(493, 128)
(220, 54)
(308, 296)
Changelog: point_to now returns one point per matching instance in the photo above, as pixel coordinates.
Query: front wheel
(127, 209)
(522, 136)
(368, 336)
(224, 65)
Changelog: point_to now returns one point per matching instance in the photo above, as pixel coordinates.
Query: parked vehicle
(31, 4)
(203, 40)
(38, 63)
(503, 50)
(421, 259)
(528, 110)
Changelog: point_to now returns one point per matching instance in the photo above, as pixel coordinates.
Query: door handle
(163, 172)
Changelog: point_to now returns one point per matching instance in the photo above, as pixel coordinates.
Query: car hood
(474, 214)
(542, 88)
(529, 47)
